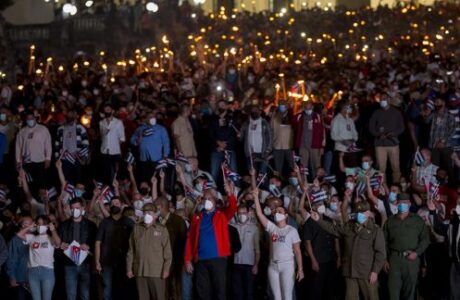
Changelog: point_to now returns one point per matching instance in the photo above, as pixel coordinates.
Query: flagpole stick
(223, 172)
(262, 180)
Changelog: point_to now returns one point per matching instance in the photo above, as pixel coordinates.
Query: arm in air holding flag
(260, 215)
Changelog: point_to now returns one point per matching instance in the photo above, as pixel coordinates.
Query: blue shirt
(18, 256)
(207, 243)
(3, 143)
(154, 142)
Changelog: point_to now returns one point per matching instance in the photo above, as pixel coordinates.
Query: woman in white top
(42, 239)
(284, 248)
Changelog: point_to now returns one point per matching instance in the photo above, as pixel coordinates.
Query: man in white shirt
(33, 150)
(112, 133)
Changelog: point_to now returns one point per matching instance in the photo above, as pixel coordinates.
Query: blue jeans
(187, 286)
(41, 282)
(72, 172)
(217, 158)
(327, 161)
(77, 277)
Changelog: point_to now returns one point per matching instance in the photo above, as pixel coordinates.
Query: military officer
(406, 238)
(363, 254)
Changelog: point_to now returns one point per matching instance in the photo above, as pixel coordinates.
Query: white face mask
(76, 213)
(457, 210)
(321, 209)
(188, 168)
(208, 205)
(153, 121)
(42, 229)
(350, 185)
(138, 204)
(267, 211)
(242, 218)
(148, 219)
(279, 217)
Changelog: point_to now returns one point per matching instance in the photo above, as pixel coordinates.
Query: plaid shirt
(442, 127)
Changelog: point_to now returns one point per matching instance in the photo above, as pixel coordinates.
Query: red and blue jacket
(220, 223)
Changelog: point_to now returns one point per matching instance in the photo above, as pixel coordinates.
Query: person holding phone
(42, 239)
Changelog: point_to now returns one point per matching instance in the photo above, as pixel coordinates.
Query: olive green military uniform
(363, 253)
(410, 234)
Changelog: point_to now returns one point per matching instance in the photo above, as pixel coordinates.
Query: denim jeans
(115, 283)
(187, 286)
(217, 158)
(41, 282)
(77, 277)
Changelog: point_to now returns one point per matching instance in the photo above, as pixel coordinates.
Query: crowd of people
(222, 179)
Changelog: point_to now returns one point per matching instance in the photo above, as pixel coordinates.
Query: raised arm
(154, 182)
(260, 215)
(132, 179)
(25, 185)
(370, 193)
(60, 173)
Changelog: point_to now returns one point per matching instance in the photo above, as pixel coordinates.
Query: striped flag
(26, 158)
(275, 191)
(180, 157)
(161, 164)
(419, 159)
(76, 255)
(228, 173)
(171, 162)
(129, 158)
(83, 153)
(28, 177)
(360, 188)
(430, 104)
(376, 181)
(330, 178)
(319, 195)
(69, 157)
(433, 190)
(147, 132)
(261, 178)
(353, 148)
(70, 190)
(2, 194)
(304, 170)
(51, 192)
(107, 194)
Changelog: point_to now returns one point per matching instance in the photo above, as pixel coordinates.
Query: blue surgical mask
(2, 117)
(30, 123)
(361, 218)
(333, 206)
(294, 181)
(308, 111)
(78, 193)
(383, 103)
(403, 208)
(349, 110)
(282, 108)
(365, 165)
(272, 187)
(392, 196)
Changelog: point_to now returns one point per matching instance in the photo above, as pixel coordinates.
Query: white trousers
(281, 277)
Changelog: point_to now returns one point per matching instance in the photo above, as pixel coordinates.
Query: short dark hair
(75, 201)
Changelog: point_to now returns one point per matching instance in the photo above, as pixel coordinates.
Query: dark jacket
(364, 250)
(18, 256)
(177, 230)
(386, 121)
(87, 234)
(267, 137)
(318, 140)
(452, 233)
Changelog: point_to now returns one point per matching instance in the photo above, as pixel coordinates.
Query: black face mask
(107, 114)
(221, 110)
(144, 191)
(320, 178)
(115, 210)
(179, 191)
(255, 115)
(441, 180)
(437, 107)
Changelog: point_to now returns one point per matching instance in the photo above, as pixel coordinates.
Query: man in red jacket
(208, 245)
(310, 137)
